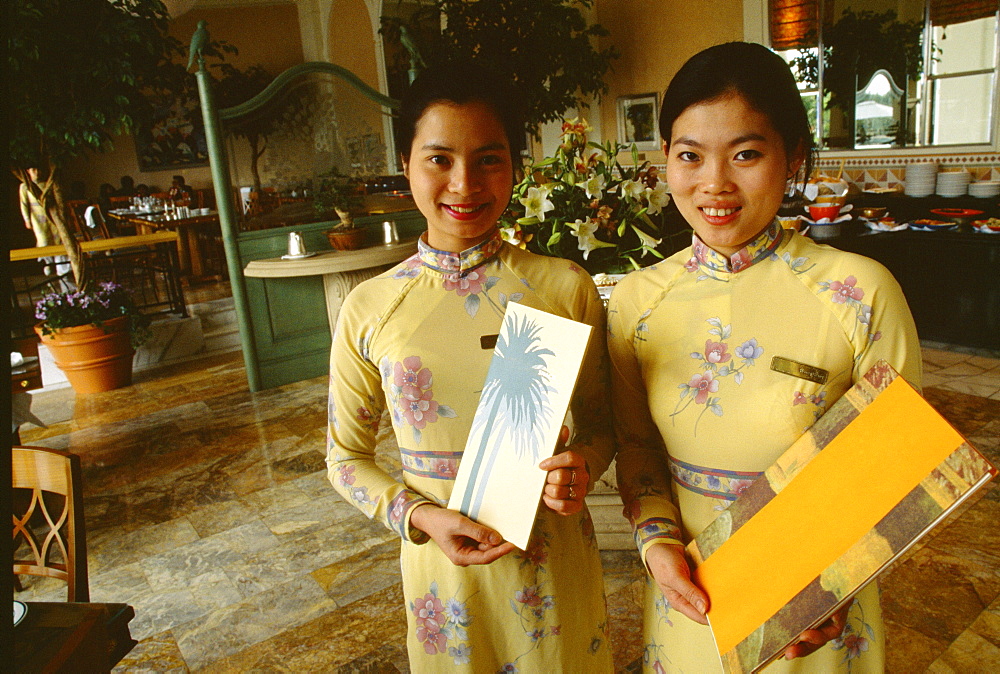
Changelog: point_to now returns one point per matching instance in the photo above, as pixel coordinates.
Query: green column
(227, 219)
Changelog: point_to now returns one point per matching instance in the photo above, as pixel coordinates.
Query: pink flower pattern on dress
(716, 362)
(852, 639)
(842, 292)
(346, 477)
(446, 468)
(818, 400)
(367, 418)
(409, 268)
(430, 619)
(416, 398)
(848, 293)
(419, 407)
(737, 487)
(410, 373)
(469, 284)
(715, 352)
(703, 384)
(528, 596)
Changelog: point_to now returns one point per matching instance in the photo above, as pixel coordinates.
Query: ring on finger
(572, 494)
(572, 477)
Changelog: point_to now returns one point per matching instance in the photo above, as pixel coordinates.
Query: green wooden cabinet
(289, 315)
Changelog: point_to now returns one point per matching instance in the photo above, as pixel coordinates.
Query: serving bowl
(873, 212)
(823, 212)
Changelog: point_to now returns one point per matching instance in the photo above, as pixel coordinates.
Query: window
(880, 83)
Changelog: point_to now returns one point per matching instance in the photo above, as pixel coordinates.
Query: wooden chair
(50, 520)
(74, 218)
(82, 229)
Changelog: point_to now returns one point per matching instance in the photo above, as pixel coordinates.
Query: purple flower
(749, 351)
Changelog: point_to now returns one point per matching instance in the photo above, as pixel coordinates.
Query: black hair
(179, 179)
(460, 83)
(754, 72)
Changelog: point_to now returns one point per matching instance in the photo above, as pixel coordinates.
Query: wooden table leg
(197, 268)
(183, 251)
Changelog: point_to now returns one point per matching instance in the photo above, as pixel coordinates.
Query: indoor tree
(81, 72)
(544, 48)
(237, 86)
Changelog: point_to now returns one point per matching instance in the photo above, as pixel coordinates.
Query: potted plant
(584, 205)
(92, 335)
(341, 194)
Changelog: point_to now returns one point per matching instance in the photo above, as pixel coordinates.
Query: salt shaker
(389, 233)
(296, 246)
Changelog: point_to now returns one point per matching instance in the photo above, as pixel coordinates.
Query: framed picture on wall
(638, 121)
(174, 137)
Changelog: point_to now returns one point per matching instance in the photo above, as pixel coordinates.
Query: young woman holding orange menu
(723, 354)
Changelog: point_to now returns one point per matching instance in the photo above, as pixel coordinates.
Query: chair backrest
(46, 526)
(74, 211)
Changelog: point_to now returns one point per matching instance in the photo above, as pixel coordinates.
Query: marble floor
(208, 511)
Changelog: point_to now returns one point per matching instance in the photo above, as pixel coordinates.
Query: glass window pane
(962, 109)
(965, 46)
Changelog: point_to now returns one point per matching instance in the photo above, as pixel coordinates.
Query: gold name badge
(488, 341)
(800, 370)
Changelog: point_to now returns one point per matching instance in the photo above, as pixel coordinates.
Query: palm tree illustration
(517, 393)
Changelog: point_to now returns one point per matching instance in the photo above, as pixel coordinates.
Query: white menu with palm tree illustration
(524, 401)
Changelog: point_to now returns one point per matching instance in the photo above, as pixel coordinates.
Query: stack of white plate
(921, 179)
(984, 189)
(953, 183)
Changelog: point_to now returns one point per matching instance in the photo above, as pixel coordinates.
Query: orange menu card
(878, 471)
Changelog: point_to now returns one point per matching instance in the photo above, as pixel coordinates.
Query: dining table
(194, 232)
(72, 637)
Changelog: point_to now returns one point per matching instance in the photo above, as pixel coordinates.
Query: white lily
(594, 187)
(657, 198)
(537, 203)
(587, 242)
(633, 189)
(648, 242)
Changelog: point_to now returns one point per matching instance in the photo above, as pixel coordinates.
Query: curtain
(946, 12)
(793, 24)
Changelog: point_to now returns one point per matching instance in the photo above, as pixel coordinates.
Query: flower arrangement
(583, 204)
(92, 307)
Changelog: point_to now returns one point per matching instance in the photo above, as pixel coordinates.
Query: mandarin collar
(758, 249)
(457, 264)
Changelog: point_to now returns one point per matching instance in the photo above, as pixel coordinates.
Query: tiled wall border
(872, 172)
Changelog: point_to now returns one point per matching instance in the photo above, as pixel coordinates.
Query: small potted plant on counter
(92, 335)
(340, 194)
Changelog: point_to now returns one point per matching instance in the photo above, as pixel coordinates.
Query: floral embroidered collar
(752, 253)
(457, 264)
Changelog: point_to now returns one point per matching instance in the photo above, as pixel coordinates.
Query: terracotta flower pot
(347, 239)
(94, 358)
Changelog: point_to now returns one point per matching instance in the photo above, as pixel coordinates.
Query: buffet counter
(951, 277)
